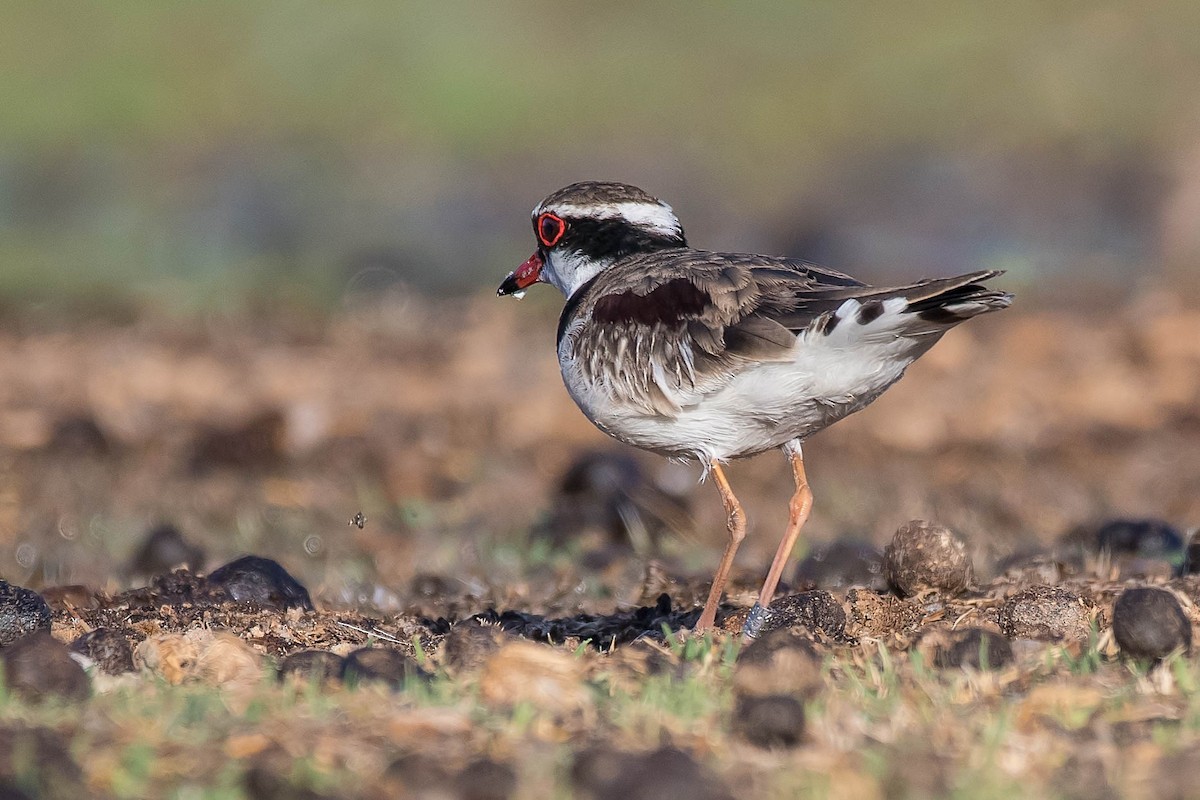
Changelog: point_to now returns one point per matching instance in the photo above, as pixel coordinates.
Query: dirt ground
(415, 464)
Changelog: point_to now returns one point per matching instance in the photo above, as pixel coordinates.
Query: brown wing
(660, 330)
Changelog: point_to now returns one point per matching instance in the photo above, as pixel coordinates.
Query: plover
(711, 356)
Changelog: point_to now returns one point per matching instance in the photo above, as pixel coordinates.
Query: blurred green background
(193, 155)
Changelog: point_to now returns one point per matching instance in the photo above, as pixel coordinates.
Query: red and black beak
(523, 276)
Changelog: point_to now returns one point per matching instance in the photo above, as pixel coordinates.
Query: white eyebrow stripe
(656, 216)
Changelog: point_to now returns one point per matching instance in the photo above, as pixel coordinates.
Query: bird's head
(586, 227)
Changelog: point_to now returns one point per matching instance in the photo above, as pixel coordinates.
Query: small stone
(485, 780)
(22, 612)
(977, 648)
(769, 720)
(665, 774)
(1149, 623)
(312, 665)
(39, 667)
(260, 582)
(381, 664)
(842, 564)
(163, 550)
(1143, 538)
(107, 647)
(543, 676)
(1046, 613)
(923, 557)
(782, 662)
(817, 611)
(879, 615)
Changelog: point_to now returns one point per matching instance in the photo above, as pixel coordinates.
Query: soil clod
(1149, 623)
(22, 612)
(163, 550)
(39, 667)
(1047, 613)
(923, 557)
(312, 665)
(977, 648)
(769, 721)
(108, 648)
(380, 664)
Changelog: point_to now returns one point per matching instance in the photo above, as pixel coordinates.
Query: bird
(709, 356)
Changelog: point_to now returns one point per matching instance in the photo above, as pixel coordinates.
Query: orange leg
(798, 511)
(736, 523)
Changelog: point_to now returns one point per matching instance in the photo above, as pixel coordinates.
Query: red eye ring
(550, 229)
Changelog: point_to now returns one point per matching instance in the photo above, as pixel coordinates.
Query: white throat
(569, 271)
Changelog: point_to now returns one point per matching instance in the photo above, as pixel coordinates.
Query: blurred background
(247, 253)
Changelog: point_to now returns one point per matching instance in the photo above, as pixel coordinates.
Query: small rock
(260, 582)
(1149, 623)
(769, 720)
(1143, 538)
(664, 774)
(1046, 613)
(108, 647)
(22, 612)
(39, 667)
(782, 662)
(469, 644)
(380, 664)
(163, 550)
(816, 611)
(841, 564)
(545, 677)
(977, 648)
(485, 780)
(879, 615)
(922, 557)
(312, 665)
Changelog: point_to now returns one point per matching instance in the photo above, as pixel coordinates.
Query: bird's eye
(550, 228)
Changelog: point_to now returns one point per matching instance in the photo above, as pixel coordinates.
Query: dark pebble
(840, 565)
(164, 549)
(39, 667)
(485, 780)
(817, 611)
(775, 720)
(22, 612)
(1144, 538)
(108, 647)
(977, 648)
(664, 774)
(39, 762)
(260, 582)
(1046, 613)
(923, 557)
(1149, 623)
(380, 664)
(313, 665)
(256, 444)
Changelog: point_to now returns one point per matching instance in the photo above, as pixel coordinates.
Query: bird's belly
(760, 408)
